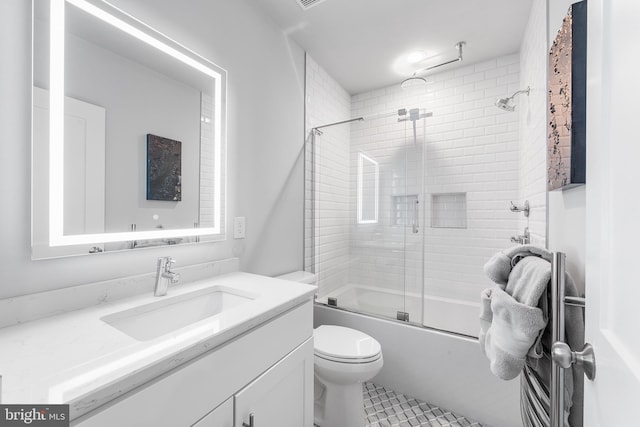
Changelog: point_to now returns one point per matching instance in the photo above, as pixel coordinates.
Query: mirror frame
(136, 28)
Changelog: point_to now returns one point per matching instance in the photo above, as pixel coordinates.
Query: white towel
(513, 330)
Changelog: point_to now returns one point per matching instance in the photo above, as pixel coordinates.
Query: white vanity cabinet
(279, 397)
(267, 372)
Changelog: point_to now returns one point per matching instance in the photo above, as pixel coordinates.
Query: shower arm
(458, 59)
(527, 90)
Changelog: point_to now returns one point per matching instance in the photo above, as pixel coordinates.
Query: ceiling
(364, 44)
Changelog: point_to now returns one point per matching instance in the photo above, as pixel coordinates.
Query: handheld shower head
(507, 104)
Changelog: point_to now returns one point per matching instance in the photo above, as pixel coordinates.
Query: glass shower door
(377, 240)
(366, 209)
(412, 194)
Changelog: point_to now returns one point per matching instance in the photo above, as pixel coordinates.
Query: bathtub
(441, 313)
(445, 369)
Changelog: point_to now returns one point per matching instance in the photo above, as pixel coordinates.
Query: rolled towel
(514, 328)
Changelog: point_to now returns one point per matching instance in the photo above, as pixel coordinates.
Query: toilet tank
(299, 276)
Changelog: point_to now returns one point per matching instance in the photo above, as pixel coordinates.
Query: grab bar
(416, 213)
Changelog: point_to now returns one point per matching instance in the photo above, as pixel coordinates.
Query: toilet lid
(337, 342)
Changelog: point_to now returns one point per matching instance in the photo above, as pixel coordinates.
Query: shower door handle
(416, 212)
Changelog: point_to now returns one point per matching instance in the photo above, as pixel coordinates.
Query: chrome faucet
(164, 276)
(524, 208)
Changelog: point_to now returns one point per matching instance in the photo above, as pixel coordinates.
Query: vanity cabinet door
(283, 395)
(222, 416)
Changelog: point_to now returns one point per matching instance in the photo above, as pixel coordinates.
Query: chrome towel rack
(561, 355)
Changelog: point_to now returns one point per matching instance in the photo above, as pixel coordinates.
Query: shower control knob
(562, 355)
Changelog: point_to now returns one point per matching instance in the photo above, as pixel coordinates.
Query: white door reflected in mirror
(84, 174)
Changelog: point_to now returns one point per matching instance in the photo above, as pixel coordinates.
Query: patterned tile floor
(386, 408)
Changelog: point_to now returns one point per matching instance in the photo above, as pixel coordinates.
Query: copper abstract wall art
(566, 144)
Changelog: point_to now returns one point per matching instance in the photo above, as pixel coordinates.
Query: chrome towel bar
(561, 354)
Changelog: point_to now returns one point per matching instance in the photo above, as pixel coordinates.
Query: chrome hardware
(525, 208)
(95, 250)
(250, 422)
(403, 316)
(133, 243)
(333, 302)
(557, 335)
(562, 355)
(416, 213)
(522, 239)
(574, 301)
(164, 276)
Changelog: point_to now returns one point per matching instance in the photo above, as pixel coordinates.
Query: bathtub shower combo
(384, 236)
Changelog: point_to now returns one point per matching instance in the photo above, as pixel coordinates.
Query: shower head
(413, 81)
(507, 104)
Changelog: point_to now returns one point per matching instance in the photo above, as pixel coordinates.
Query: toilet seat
(352, 361)
(345, 345)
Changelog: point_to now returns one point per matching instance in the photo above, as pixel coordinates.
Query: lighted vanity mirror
(128, 134)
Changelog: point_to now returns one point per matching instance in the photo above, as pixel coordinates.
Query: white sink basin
(170, 313)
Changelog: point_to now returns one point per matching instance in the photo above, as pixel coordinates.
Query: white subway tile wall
(533, 124)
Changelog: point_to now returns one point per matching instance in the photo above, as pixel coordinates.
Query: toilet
(344, 358)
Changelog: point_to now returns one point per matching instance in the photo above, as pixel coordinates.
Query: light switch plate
(239, 227)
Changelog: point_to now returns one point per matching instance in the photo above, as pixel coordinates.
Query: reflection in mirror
(368, 176)
(103, 82)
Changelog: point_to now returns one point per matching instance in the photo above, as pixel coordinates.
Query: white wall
(567, 209)
(265, 131)
(533, 124)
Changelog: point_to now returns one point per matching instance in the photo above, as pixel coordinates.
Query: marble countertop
(77, 358)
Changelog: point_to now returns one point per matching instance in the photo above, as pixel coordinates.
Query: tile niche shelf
(449, 210)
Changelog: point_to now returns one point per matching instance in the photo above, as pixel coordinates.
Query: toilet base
(345, 403)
